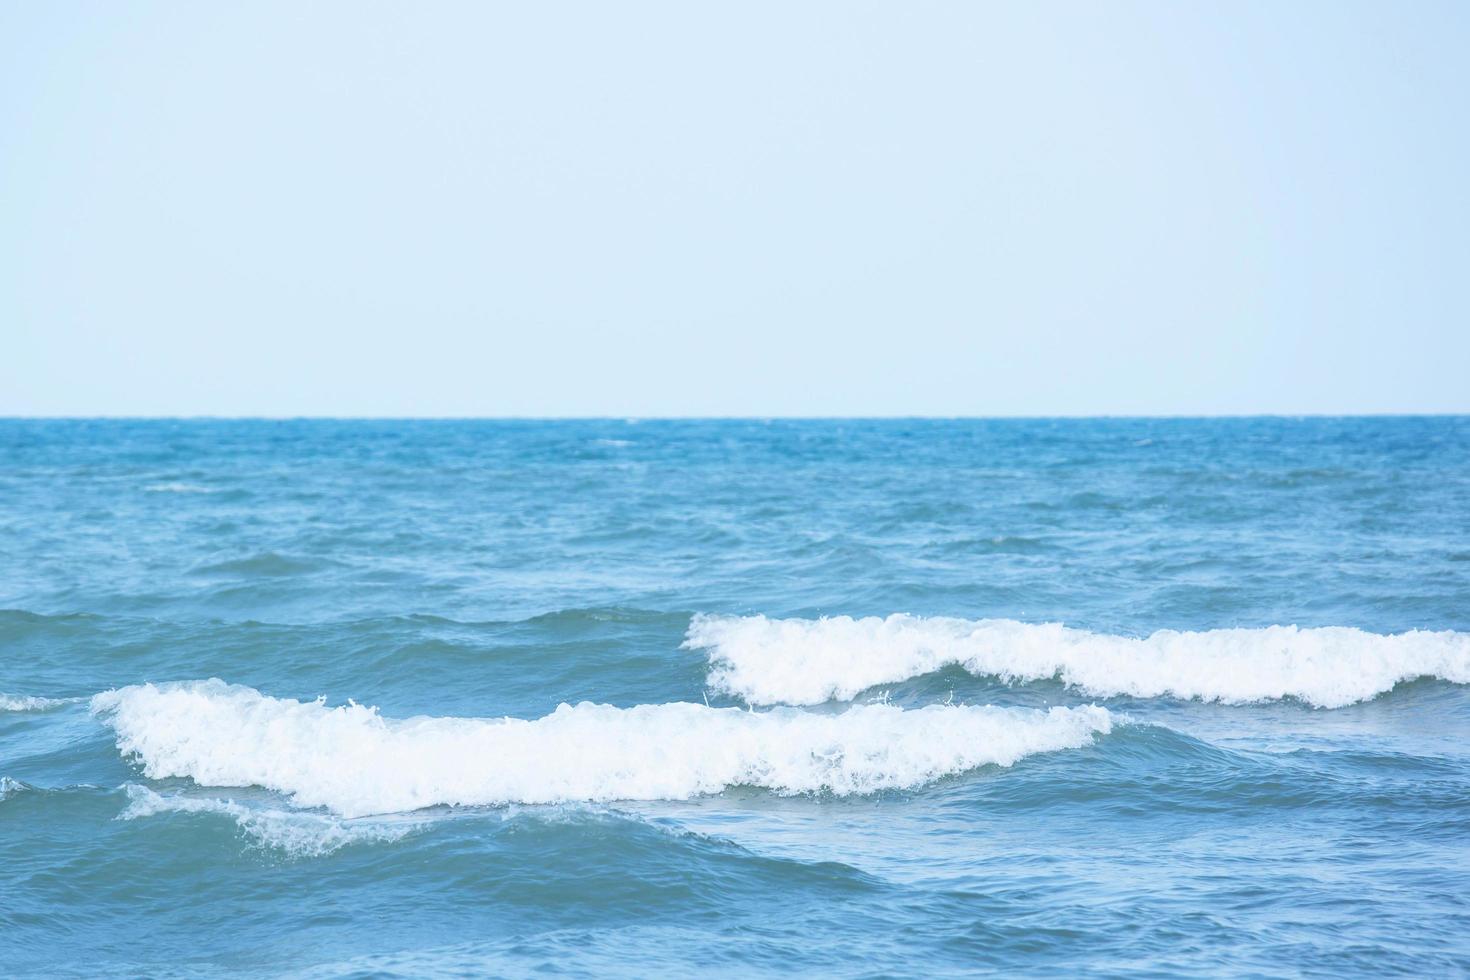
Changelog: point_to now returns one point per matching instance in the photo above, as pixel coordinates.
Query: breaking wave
(803, 661)
(355, 762)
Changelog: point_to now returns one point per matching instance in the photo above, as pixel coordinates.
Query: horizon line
(622, 417)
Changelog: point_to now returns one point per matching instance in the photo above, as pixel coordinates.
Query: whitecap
(354, 762)
(808, 661)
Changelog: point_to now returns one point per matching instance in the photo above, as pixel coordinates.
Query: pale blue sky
(746, 209)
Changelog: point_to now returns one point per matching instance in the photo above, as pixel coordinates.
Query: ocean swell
(355, 762)
(803, 661)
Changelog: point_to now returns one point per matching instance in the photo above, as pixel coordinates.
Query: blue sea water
(384, 698)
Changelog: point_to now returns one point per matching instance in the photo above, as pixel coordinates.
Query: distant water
(643, 698)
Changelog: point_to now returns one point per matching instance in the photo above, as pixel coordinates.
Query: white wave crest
(10, 787)
(297, 833)
(354, 761)
(803, 661)
(22, 702)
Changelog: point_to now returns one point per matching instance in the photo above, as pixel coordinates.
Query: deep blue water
(1242, 800)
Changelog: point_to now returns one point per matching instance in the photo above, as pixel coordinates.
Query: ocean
(637, 698)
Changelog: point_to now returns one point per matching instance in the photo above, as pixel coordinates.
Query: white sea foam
(297, 833)
(353, 761)
(23, 702)
(9, 787)
(804, 661)
(179, 488)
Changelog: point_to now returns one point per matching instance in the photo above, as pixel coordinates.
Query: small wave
(11, 787)
(23, 702)
(179, 488)
(267, 564)
(355, 762)
(297, 833)
(802, 661)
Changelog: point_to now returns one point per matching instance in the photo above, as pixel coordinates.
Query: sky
(829, 209)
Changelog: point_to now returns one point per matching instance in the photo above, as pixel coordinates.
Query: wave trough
(355, 762)
(802, 661)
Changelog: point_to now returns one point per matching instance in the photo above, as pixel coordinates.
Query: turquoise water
(284, 697)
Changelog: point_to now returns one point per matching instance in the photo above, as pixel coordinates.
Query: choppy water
(378, 698)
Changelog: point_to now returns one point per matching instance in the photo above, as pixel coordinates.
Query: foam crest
(353, 761)
(22, 702)
(297, 833)
(802, 661)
